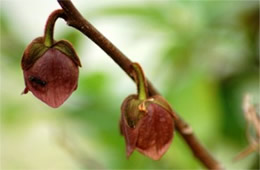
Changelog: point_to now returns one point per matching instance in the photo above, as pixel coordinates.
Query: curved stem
(75, 19)
(140, 81)
(49, 27)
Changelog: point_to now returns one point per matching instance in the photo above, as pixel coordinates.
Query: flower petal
(52, 78)
(155, 132)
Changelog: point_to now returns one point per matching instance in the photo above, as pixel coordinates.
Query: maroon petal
(52, 78)
(155, 132)
(130, 134)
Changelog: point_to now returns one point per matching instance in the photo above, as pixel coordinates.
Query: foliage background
(202, 56)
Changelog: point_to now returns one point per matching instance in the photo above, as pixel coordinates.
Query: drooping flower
(50, 73)
(50, 67)
(146, 122)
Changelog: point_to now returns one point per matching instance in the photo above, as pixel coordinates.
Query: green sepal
(135, 109)
(66, 48)
(131, 110)
(157, 99)
(33, 52)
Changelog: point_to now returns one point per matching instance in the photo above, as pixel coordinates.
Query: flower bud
(146, 123)
(50, 73)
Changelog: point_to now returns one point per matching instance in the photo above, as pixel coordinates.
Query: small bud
(147, 126)
(146, 122)
(50, 73)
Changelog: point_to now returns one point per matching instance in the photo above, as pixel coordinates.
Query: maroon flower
(147, 124)
(50, 73)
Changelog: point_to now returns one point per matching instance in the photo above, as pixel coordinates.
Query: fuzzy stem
(140, 81)
(49, 27)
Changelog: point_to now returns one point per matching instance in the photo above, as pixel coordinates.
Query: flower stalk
(49, 27)
(140, 81)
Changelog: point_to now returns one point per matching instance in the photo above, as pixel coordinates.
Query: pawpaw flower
(50, 67)
(146, 122)
(50, 73)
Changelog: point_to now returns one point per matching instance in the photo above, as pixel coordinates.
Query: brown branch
(75, 19)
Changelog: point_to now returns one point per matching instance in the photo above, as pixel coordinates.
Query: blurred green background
(202, 56)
